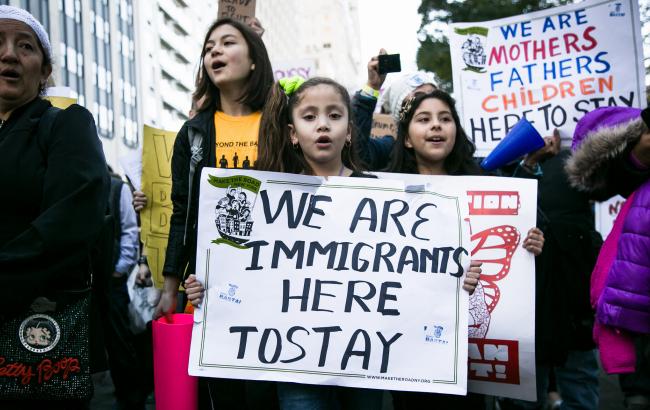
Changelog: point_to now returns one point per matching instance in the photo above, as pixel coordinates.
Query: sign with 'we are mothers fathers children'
(551, 67)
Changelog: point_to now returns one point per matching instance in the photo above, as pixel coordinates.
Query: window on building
(38, 8)
(102, 108)
(129, 117)
(71, 47)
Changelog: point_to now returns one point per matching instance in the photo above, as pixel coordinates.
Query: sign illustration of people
(235, 160)
(246, 164)
(474, 48)
(233, 211)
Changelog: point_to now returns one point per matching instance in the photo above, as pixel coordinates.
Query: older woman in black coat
(53, 177)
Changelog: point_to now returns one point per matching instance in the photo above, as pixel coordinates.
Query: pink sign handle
(174, 389)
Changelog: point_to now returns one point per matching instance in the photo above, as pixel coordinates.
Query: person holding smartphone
(375, 152)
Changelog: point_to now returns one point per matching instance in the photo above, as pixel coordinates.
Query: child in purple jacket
(612, 155)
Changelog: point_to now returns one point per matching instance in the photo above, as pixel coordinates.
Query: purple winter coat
(625, 301)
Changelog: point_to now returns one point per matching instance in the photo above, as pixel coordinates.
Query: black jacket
(564, 318)
(374, 152)
(181, 246)
(55, 187)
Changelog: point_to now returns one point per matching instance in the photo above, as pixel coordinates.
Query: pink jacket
(617, 352)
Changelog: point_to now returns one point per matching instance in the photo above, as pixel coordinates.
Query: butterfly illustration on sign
(494, 247)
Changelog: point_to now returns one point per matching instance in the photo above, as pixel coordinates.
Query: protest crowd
(81, 292)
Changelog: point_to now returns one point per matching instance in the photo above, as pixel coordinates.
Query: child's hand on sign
(472, 276)
(194, 290)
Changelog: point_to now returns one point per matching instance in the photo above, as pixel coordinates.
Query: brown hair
(275, 151)
(259, 81)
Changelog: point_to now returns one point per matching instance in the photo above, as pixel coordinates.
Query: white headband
(15, 13)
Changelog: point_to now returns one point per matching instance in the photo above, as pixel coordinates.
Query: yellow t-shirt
(236, 139)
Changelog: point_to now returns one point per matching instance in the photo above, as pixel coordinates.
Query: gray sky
(390, 24)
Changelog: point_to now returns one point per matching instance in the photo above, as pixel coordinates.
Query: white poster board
(606, 213)
(551, 67)
(347, 281)
(502, 310)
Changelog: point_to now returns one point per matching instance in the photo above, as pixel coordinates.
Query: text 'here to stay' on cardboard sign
(241, 10)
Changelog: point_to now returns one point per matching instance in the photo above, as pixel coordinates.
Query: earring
(252, 67)
(348, 143)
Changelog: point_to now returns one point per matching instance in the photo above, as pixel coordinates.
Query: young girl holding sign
(431, 141)
(308, 129)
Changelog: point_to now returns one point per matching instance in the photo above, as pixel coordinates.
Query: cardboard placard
(240, 10)
(382, 125)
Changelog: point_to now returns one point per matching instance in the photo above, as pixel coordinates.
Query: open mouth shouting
(9, 74)
(436, 139)
(324, 141)
(217, 65)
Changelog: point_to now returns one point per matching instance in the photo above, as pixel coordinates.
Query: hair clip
(406, 107)
(291, 84)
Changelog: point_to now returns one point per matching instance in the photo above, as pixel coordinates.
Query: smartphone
(389, 63)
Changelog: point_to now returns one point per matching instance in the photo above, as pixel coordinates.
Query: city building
(325, 31)
(133, 63)
(171, 34)
(93, 42)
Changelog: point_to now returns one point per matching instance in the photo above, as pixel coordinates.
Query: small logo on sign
(231, 295)
(474, 46)
(616, 10)
(39, 333)
(234, 210)
(433, 334)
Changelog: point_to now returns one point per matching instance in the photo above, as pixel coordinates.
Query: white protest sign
(606, 213)
(346, 281)
(305, 68)
(502, 309)
(551, 67)
(131, 163)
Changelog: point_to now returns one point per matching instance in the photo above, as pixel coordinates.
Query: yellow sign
(157, 148)
(61, 102)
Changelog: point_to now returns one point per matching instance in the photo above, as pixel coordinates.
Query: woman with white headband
(54, 185)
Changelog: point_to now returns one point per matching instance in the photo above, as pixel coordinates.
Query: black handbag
(44, 351)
